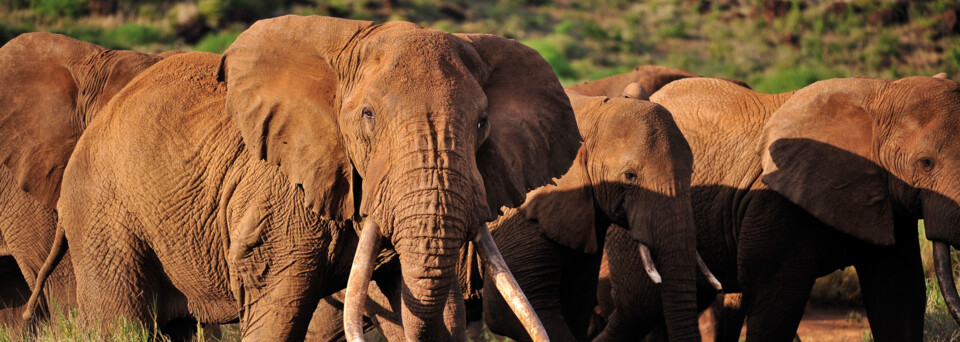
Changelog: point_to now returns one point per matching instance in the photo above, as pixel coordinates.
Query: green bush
(59, 8)
(677, 29)
(125, 37)
(217, 42)
(553, 53)
(784, 80)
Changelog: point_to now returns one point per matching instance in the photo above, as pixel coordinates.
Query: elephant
(632, 169)
(638, 84)
(54, 86)
(246, 187)
(789, 187)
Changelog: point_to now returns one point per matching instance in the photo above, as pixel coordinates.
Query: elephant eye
(367, 113)
(926, 163)
(482, 123)
(630, 176)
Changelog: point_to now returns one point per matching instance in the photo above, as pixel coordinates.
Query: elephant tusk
(508, 286)
(942, 262)
(709, 275)
(648, 264)
(360, 273)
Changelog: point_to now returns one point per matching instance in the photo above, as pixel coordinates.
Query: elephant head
(54, 86)
(634, 170)
(857, 152)
(421, 134)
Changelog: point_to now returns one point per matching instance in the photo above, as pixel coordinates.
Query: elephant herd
(324, 176)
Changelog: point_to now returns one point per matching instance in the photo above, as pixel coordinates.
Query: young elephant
(238, 199)
(790, 187)
(633, 170)
(53, 87)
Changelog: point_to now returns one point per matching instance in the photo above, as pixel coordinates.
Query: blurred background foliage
(774, 45)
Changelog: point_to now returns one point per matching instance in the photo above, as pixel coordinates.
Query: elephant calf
(789, 187)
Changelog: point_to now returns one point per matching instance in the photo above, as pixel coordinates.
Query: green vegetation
(217, 42)
(773, 49)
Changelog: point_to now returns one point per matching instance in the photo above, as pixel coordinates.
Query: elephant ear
(565, 212)
(533, 133)
(820, 152)
(39, 120)
(281, 87)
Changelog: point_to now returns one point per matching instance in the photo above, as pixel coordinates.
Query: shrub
(59, 8)
(784, 80)
(124, 37)
(553, 53)
(217, 42)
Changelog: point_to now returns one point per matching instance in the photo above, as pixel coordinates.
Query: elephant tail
(57, 251)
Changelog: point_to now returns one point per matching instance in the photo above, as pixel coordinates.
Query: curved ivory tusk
(360, 273)
(709, 275)
(942, 262)
(648, 264)
(508, 286)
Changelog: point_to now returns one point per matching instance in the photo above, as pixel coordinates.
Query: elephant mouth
(362, 270)
(943, 264)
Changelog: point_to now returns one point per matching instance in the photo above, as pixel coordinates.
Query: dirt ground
(818, 325)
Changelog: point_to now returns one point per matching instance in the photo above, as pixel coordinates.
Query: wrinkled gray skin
(631, 170)
(53, 87)
(238, 195)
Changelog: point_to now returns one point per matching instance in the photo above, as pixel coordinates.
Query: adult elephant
(639, 83)
(229, 188)
(54, 86)
(633, 170)
(790, 187)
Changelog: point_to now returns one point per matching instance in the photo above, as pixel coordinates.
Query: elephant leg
(637, 303)
(729, 313)
(537, 265)
(114, 280)
(327, 322)
(13, 296)
(894, 293)
(779, 252)
(276, 303)
(578, 293)
(774, 310)
(383, 304)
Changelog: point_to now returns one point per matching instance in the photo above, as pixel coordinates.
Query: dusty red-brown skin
(248, 171)
(553, 242)
(790, 187)
(53, 87)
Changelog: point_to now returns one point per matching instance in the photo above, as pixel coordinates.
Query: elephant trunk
(428, 266)
(943, 264)
(431, 225)
(939, 215)
(669, 235)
